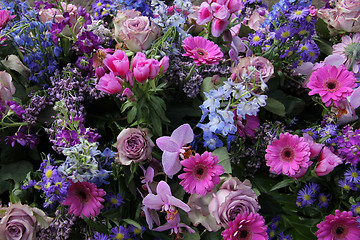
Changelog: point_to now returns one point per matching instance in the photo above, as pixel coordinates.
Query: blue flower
(212, 141)
(323, 200)
(116, 200)
(352, 175)
(120, 233)
(306, 196)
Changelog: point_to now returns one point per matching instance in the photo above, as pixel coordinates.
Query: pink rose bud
(118, 63)
(109, 84)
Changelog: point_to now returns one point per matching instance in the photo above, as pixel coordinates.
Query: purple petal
(355, 98)
(183, 135)
(178, 203)
(153, 201)
(171, 163)
(334, 60)
(163, 228)
(163, 189)
(168, 144)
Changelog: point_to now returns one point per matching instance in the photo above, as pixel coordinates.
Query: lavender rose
(137, 32)
(234, 197)
(21, 222)
(133, 145)
(264, 68)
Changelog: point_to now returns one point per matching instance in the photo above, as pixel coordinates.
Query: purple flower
(88, 41)
(323, 200)
(306, 196)
(352, 175)
(355, 209)
(346, 185)
(120, 233)
(284, 33)
(172, 147)
(114, 199)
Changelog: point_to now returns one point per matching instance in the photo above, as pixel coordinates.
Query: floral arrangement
(165, 120)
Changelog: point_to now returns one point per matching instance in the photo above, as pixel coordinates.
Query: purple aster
(314, 187)
(349, 145)
(255, 39)
(311, 132)
(284, 33)
(309, 51)
(355, 209)
(135, 232)
(116, 200)
(298, 14)
(282, 236)
(329, 130)
(271, 230)
(352, 175)
(323, 200)
(346, 185)
(101, 236)
(306, 196)
(120, 233)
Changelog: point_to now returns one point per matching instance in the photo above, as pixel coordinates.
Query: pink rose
(55, 14)
(21, 222)
(327, 162)
(234, 197)
(118, 63)
(262, 65)
(137, 32)
(7, 88)
(5, 18)
(109, 83)
(133, 145)
(344, 17)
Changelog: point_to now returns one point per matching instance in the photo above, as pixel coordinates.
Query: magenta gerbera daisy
(289, 154)
(342, 225)
(245, 227)
(332, 84)
(84, 198)
(201, 173)
(203, 51)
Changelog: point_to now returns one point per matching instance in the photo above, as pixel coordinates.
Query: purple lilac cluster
(309, 194)
(60, 227)
(349, 144)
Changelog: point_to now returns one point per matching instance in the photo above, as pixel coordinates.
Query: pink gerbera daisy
(202, 50)
(201, 173)
(84, 199)
(342, 225)
(290, 155)
(245, 227)
(332, 84)
(350, 49)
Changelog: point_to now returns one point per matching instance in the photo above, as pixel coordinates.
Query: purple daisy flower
(352, 175)
(120, 233)
(298, 14)
(346, 185)
(355, 209)
(284, 33)
(256, 39)
(306, 196)
(323, 200)
(116, 200)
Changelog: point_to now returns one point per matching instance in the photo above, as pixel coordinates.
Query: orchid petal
(178, 203)
(354, 99)
(168, 144)
(153, 201)
(171, 163)
(163, 189)
(182, 135)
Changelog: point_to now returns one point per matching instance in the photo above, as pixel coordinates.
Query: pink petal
(171, 163)
(183, 135)
(168, 144)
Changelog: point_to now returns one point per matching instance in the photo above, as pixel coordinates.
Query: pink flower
(349, 48)
(247, 126)
(144, 68)
(257, 19)
(218, 26)
(7, 88)
(342, 225)
(332, 84)
(133, 145)
(288, 155)
(118, 63)
(98, 58)
(5, 18)
(164, 62)
(315, 148)
(84, 198)
(327, 162)
(204, 14)
(137, 32)
(246, 226)
(202, 173)
(110, 84)
(172, 147)
(202, 51)
(234, 197)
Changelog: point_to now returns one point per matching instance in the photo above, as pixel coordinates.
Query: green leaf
(126, 105)
(131, 115)
(157, 126)
(224, 158)
(324, 45)
(282, 184)
(16, 171)
(275, 106)
(97, 226)
(322, 29)
(191, 236)
(132, 222)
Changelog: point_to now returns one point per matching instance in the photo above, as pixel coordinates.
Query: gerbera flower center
(200, 172)
(201, 53)
(83, 196)
(340, 231)
(243, 234)
(287, 154)
(331, 85)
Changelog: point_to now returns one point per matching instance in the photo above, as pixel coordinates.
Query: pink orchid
(204, 14)
(174, 224)
(172, 147)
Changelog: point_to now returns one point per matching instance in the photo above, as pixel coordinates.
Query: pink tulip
(5, 18)
(118, 63)
(109, 83)
(154, 68)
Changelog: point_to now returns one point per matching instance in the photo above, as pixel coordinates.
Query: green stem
(192, 69)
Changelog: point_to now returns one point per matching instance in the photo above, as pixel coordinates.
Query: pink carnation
(201, 173)
(246, 226)
(342, 225)
(332, 84)
(290, 155)
(84, 198)
(202, 50)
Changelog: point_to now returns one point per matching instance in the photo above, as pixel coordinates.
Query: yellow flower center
(302, 32)
(354, 174)
(137, 231)
(307, 197)
(119, 236)
(347, 187)
(298, 12)
(323, 199)
(99, 4)
(308, 18)
(48, 173)
(58, 184)
(303, 48)
(256, 38)
(311, 54)
(114, 201)
(285, 34)
(357, 210)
